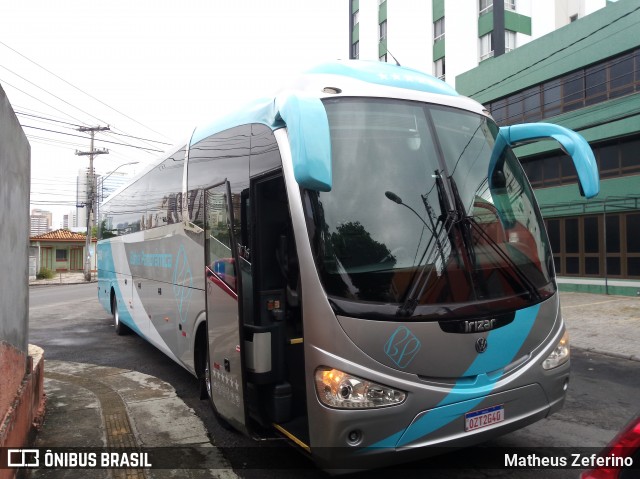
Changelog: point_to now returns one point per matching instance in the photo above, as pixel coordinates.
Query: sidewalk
(604, 324)
(99, 408)
(67, 277)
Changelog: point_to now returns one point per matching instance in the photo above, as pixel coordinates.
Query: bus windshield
(420, 220)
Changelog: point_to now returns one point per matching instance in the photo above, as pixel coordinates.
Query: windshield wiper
(465, 221)
(526, 282)
(434, 246)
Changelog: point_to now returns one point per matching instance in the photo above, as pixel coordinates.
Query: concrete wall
(15, 179)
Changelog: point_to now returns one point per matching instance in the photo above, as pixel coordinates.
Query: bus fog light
(354, 437)
(559, 355)
(344, 391)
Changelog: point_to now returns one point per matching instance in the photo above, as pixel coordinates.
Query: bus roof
(353, 72)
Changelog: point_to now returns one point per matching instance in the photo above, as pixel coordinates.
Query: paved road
(602, 395)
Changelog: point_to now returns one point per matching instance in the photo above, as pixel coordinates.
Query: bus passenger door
(224, 324)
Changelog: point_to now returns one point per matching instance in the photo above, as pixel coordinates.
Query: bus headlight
(559, 355)
(344, 391)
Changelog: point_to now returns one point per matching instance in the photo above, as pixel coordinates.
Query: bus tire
(121, 329)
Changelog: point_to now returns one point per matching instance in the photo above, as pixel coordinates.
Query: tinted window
(165, 191)
(219, 157)
(265, 155)
(613, 234)
(553, 229)
(126, 212)
(596, 84)
(572, 240)
(608, 156)
(621, 76)
(591, 235)
(633, 233)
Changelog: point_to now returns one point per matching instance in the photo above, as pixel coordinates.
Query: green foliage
(45, 273)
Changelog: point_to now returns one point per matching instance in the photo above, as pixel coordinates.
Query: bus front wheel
(121, 329)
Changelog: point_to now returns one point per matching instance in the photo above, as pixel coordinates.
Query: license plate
(483, 417)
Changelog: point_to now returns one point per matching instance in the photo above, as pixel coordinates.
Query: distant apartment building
(83, 183)
(449, 37)
(41, 221)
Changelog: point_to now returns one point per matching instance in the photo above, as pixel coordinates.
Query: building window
(509, 40)
(614, 159)
(355, 50)
(438, 30)
(510, 5)
(598, 83)
(486, 47)
(578, 245)
(61, 255)
(382, 30)
(485, 6)
(439, 69)
(383, 58)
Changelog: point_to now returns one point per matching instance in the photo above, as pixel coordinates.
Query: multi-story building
(41, 221)
(83, 189)
(449, 37)
(585, 76)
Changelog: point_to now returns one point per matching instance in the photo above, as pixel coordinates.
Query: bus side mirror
(310, 140)
(572, 143)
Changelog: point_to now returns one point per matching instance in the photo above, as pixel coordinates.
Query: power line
(62, 100)
(143, 139)
(39, 100)
(82, 91)
(81, 136)
(54, 96)
(19, 113)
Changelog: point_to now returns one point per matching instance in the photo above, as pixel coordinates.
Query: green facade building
(585, 76)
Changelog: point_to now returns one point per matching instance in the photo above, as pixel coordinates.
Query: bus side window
(165, 190)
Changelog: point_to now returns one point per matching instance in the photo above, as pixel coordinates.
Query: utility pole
(90, 192)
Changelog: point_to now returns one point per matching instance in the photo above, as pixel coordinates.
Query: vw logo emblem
(481, 345)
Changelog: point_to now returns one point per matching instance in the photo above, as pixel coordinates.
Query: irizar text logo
(479, 326)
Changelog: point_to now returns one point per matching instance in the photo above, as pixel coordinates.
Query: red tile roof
(60, 235)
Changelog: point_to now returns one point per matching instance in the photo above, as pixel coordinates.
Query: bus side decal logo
(402, 347)
(182, 283)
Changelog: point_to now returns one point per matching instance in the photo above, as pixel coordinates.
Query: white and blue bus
(358, 264)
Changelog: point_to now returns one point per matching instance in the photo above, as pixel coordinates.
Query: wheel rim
(207, 379)
(116, 314)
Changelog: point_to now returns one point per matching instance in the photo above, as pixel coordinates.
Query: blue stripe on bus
(107, 267)
(463, 398)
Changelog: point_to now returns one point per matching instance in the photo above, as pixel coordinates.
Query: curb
(611, 354)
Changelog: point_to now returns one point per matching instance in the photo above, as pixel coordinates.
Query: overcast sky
(152, 69)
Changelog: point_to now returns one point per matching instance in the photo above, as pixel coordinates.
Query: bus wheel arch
(200, 360)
